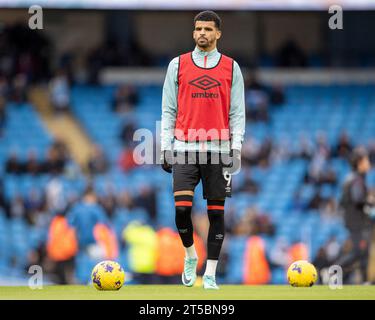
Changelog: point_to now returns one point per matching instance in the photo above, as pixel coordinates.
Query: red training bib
(203, 100)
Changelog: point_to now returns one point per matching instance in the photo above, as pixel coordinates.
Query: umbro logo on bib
(205, 82)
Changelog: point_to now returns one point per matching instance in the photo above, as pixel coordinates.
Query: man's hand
(369, 207)
(166, 160)
(234, 166)
(370, 211)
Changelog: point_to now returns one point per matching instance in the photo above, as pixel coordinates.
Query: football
(108, 275)
(302, 274)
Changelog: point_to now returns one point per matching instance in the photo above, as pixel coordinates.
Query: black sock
(215, 210)
(183, 219)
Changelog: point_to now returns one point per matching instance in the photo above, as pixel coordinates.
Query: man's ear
(218, 35)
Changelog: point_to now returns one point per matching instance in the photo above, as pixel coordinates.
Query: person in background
(125, 99)
(60, 92)
(127, 132)
(3, 115)
(83, 217)
(61, 249)
(371, 153)
(18, 92)
(277, 95)
(17, 207)
(31, 166)
(98, 163)
(344, 147)
(127, 161)
(358, 211)
(147, 199)
(257, 100)
(12, 164)
(291, 54)
(53, 163)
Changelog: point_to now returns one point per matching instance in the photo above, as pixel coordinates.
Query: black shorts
(191, 167)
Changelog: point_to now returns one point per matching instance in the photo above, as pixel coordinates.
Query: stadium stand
(309, 110)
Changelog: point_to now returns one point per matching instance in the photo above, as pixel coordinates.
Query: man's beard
(204, 44)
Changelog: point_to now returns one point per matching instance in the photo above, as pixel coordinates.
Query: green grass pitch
(179, 292)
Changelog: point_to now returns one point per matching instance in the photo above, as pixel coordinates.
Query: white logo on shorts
(228, 178)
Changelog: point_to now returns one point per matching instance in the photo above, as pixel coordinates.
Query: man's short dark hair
(208, 16)
(89, 190)
(356, 156)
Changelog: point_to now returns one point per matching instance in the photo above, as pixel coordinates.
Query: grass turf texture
(179, 292)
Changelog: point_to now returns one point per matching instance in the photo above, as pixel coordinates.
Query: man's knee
(183, 200)
(183, 211)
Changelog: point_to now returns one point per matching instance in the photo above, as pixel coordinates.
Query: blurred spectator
(60, 92)
(357, 204)
(249, 184)
(125, 99)
(319, 170)
(61, 248)
(142, 242)
(83, 217)
(298, 250)
(305, 149)
(125, 200)
(279, 255)
(25, 51)
(127, 132)
(109, 203)
(258, 154)
(321, 260)
(371, 152)
(12, 164)
(298, 203)
(265, 225)
(329, 208)
(277, 95)
(256, 267)
(322, 144)
(254, 223)
(61, 149)
(32, 165)
(4, 87)
(291, 55)
(316, 201)
(4, 207)
(332, 248)
(72, 169)
(282, 151)
(245, 225)
(343, 147)
(18, 92)
(35, 205)
(126, 160)
(98, 163)
(265, 151)
(55, 195)
(147, 199)
(17, 207)
(250, 152)
(3, 115)
(54, 162)
(257, 100)
(326, 257)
